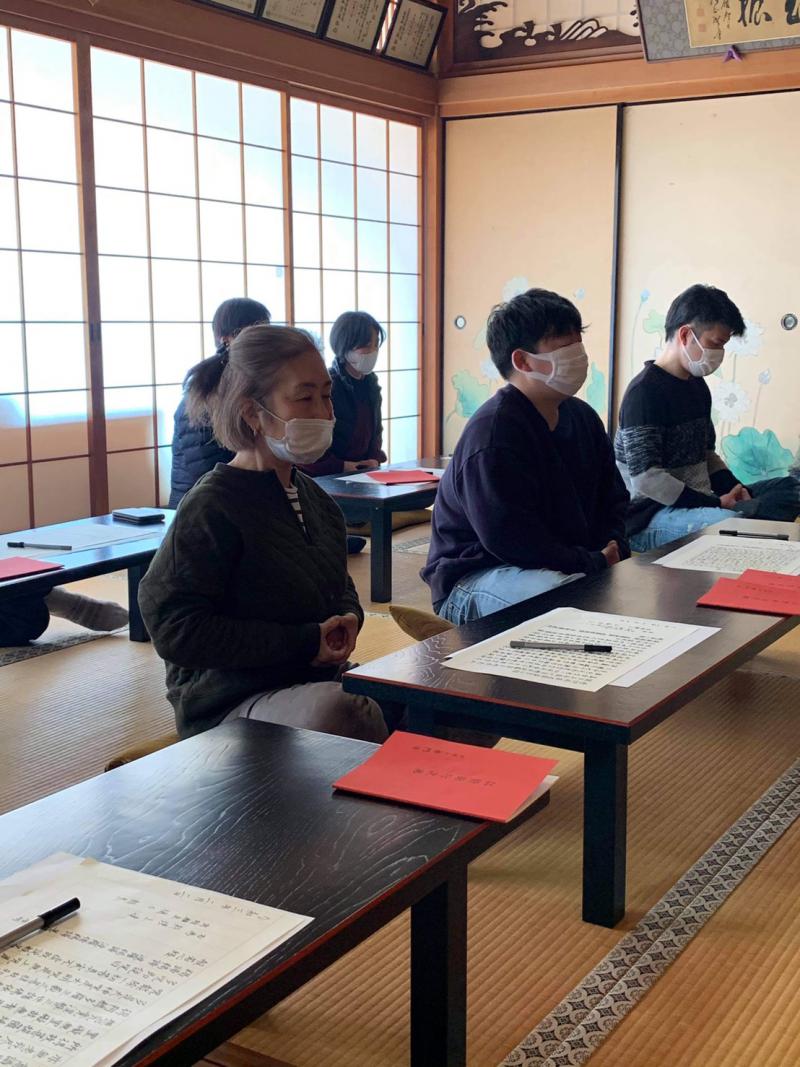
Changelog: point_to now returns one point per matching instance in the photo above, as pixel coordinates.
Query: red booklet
(21, 567)
(485, 783)
(763, 592)
(403, 477)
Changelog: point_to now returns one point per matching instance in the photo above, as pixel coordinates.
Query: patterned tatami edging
(589, 1013)
(418, 546)
(17, 653)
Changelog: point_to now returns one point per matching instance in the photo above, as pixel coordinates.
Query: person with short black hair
(248, 599)
(194, 450)
(356, 339)
(666, 444)
(532, 498)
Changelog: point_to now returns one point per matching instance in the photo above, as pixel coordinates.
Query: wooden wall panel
(529, 201)
(709, 195)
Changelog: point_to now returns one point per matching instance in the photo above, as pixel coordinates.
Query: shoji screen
(529, 201)
(710, 195)
(44, 445)
(189, 178)
(355, 188)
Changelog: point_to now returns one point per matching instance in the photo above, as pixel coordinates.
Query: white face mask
(710, 359)
(363, 362)
(569, 367)
(303, 441)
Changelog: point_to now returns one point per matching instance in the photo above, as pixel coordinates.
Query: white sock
(100, 615)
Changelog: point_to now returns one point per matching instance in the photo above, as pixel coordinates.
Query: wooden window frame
(71, 27)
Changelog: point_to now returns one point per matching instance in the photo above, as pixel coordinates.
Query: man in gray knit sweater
(666, 445)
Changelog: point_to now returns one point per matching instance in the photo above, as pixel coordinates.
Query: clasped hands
(350, 466)
(337, 639)
(734, 497)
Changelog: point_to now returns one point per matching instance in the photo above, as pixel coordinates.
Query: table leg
(137, 629)
(605, 812)
(380, 555)
(421, 721)
(439, 975)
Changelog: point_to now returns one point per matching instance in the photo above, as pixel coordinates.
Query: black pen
(30, 544)
(553, 647)
(41, 922)
(765, 536)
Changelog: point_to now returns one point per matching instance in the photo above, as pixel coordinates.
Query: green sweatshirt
(235, 594)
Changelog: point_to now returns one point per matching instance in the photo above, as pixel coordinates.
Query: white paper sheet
(90, 535)
(138, 952)
(734, 555)
(634, 642)
(544, 786)
(701, 633)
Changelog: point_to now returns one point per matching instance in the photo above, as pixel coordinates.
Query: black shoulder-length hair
(354, 329)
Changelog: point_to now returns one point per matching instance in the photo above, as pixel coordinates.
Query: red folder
(403, 477)
(21, 567)
(763, 592)
(485, 783)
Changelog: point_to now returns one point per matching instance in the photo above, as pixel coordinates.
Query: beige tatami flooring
(730, 1000)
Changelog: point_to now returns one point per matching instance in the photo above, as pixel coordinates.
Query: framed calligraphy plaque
(716, 22)
(414, 32)
(677, 29)
(304, 15)
(244, 7)
(356, 23)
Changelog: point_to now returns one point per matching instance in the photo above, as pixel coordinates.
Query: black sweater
(517, 493)
(235, 594)
(358, 433)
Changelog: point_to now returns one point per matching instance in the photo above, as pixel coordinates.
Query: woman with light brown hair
(248, 600)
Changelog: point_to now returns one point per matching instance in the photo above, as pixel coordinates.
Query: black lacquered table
(248, 809)
(602, 725)
(132, 556)
(375, 503)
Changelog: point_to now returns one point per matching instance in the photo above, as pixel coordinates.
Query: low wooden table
(602, 725)
(248, 809)
(132, 556)
(376, 503)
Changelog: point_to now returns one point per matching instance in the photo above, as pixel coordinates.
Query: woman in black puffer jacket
(194, 449)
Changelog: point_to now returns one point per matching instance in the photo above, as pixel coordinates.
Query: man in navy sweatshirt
(532, 497)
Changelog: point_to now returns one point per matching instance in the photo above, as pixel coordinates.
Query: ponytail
(219, 389)
(200, 384)
(203, 380)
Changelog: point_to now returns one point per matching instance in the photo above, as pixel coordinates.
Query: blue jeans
(669, 524)
(495, 588)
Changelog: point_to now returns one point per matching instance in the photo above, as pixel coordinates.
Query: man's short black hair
(526, 320)
(702, 306)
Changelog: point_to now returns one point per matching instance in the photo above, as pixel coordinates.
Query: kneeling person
(532, 497)
(666, 444)
(248, 598)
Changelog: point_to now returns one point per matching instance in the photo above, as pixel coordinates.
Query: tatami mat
(65, 714)
(690, 780)
(727, 1001)
(730, 999)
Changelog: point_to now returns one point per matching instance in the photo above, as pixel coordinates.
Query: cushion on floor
(400, 520)
(418, 624)
(144, 749)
